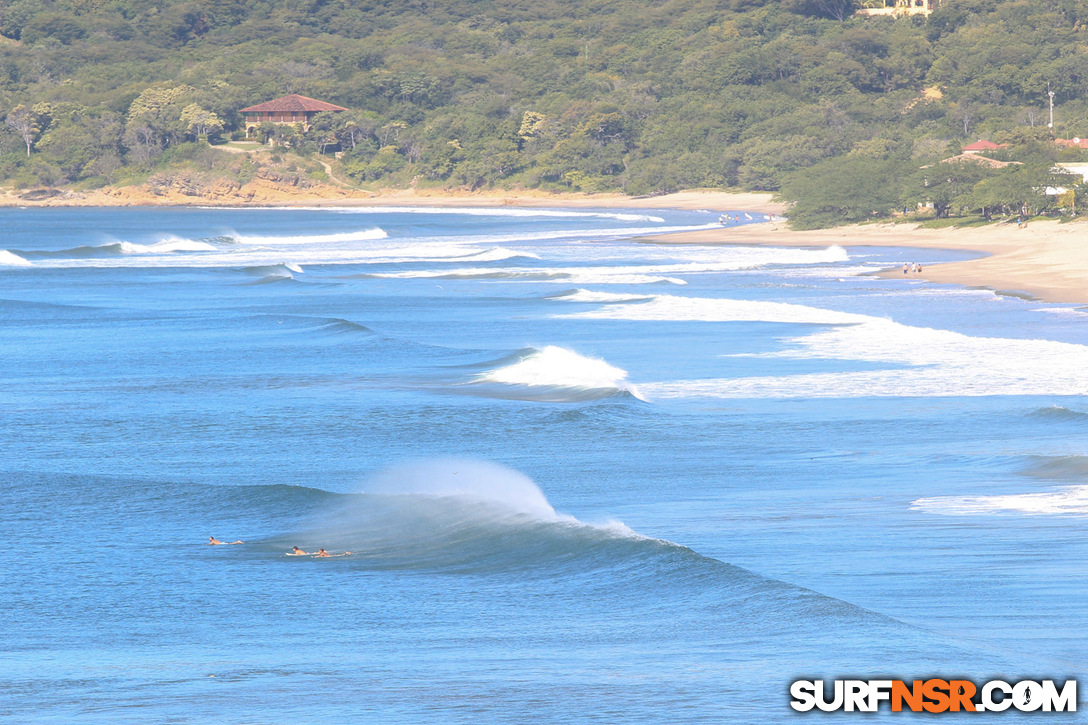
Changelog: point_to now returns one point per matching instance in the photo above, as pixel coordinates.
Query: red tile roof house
(292, 109)
(1072, 143)
(979, 146)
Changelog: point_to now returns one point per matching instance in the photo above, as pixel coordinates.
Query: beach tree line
(627, 96)
(855, 189)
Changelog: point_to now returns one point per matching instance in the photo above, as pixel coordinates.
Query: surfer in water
(295, 551)
(321, 554)
(212, 541)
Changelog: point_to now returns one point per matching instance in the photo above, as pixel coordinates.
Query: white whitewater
(938, 363)
(558, 367)
(12, 260)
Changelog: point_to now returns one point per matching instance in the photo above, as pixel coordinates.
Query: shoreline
(257, 194)
(1046, 260)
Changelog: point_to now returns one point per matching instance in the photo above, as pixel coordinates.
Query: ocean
(581, 477)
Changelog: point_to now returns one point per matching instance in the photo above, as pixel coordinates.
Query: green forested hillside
(642, 96)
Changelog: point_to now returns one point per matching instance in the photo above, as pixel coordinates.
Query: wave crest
(464, 515)
(273, 272)
(1058, 467)
(169, 245)
(554, 374)
(585, 295)
(1059, 412)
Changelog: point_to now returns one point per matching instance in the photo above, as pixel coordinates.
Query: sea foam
(1070, 500)
(938, 362)
(356, 236)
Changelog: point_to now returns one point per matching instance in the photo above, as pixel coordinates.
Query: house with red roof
(289, 110)
(979, 146)
(1072, 143)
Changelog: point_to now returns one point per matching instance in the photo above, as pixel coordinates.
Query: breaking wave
(476, 518)
(113, 249)
(456, 514)
(552, 374)
(1072, 500)
(273, 272)
(914, 361)
(8, 259)
(584, 295)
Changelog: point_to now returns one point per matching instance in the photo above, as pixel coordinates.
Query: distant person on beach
(212, 541)
(295, 551)
(906, 268)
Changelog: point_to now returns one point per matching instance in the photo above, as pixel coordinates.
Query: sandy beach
(262, 193)
(1047, 260)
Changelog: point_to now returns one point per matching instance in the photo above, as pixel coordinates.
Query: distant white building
(897, 7)
(1079, 168)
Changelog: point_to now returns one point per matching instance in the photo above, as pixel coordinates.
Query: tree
(82, 141)
(199, 121)
(1020, 189)
(834, 9)
(942, 185)
(841, 191)
(154, 121)
(25, 123)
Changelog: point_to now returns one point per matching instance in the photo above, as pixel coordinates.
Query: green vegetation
(793, 96)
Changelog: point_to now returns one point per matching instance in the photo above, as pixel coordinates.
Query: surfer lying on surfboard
(321, 553)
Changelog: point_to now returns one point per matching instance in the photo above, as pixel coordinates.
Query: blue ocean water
(581, 477)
